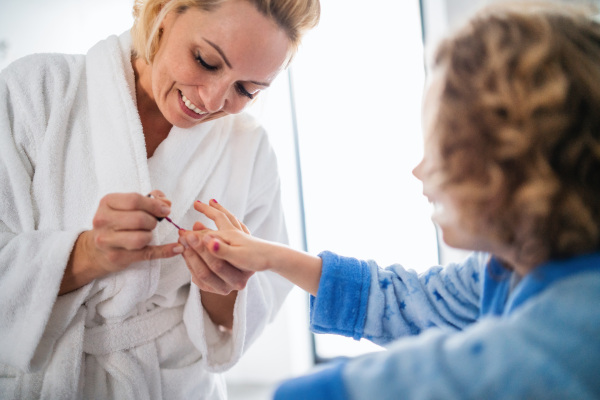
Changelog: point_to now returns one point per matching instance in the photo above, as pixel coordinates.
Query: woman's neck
(155, 126)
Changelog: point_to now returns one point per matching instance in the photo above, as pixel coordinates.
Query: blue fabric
(468, 334)
(341, 285)
(325, 384)
(546, 275)
(496, 287)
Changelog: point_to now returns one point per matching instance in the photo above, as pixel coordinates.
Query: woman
(96, 300)
(511, 164)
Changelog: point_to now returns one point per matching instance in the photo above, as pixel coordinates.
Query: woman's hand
(209, 273)
(121, 235)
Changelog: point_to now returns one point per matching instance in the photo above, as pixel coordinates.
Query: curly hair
(519, 126)
(295, 17)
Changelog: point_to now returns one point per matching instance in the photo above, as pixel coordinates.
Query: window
(358, 82)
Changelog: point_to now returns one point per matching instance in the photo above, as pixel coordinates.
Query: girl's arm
(247, 253)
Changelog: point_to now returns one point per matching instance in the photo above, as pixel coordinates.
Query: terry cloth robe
(477, 332)
(70, 134)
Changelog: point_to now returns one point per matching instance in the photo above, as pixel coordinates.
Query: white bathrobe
(70, 134)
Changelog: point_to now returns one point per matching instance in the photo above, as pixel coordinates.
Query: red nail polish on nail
(215, 201)
(216, 246)
(198, 201)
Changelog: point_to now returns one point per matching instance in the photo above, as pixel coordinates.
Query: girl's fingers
(217, 270)
(220, 249)
(219, 217)
(234, 221)
(244, 227)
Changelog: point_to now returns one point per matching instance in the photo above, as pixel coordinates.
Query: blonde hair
(519, 126)
(295, 17)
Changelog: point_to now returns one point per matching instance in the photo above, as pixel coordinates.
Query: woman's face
(214, 63)
(458, 226)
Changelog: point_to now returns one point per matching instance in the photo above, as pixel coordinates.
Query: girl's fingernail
(215, 201)
(165, 210)
(178, 249)
(216, 246)
(193, 240)
(198, 201)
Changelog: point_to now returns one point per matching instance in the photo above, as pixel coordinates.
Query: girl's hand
(232, 255)
(210, 273)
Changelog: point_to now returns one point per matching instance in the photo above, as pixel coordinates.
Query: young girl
(512, 167)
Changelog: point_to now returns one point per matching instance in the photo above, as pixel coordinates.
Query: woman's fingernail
(198, 201)
(178, 249)
(183, 241)
(193, 240)
(216, 246)
(165, 210)
(206, 239)
(215, 201)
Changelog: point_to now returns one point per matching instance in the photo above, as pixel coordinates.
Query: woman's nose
(215, 96)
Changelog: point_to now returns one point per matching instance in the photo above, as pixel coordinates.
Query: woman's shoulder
(44, 70)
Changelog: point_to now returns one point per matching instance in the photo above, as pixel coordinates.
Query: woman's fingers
(158, 207)
(199, 226)
(125, 220)
(209, 272)
(122, 230)
(161, 196)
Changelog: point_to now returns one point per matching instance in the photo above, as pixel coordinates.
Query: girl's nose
(417, 171)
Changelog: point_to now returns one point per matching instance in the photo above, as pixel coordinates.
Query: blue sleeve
(324, 384)
(361, 300)
(341, 302)
(547, 349)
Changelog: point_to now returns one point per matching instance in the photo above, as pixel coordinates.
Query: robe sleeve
(32, 261)
(361, 300)
(548, 348)
(259, 302)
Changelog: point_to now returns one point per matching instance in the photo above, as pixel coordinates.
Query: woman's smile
(190, 108)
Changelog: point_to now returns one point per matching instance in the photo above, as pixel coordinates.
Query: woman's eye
(242, 91)
(204, 64)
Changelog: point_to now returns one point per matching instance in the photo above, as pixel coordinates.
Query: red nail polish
(215, 201)
(198, 201)
(216, 246)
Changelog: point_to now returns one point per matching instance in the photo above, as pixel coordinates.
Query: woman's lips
(190, 108)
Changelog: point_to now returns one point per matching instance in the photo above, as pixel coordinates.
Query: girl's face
(210, 64)
(458, 226)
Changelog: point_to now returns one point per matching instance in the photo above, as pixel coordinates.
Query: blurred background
(345, 123)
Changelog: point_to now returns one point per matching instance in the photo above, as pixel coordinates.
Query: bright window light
(358, 82)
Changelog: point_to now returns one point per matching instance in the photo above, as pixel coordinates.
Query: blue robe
(470, 330)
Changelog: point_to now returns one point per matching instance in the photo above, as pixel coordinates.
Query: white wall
(64, 26)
